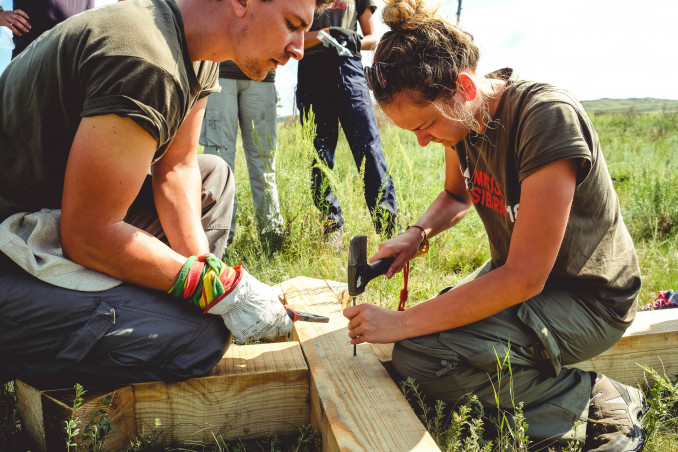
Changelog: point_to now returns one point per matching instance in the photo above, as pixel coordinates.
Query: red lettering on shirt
(475, 194)
(487, 193)
(338, 5)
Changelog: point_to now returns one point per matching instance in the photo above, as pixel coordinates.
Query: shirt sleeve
(138, 89)
(553, 131)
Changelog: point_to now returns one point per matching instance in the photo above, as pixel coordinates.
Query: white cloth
(32, 241)
(6, 41)
(253, 311)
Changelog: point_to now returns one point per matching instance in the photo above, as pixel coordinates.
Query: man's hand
(16, 20)
(252, 311)
(347, 38)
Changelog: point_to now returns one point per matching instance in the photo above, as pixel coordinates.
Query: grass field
(642, 154)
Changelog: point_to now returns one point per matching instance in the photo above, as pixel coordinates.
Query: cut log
(354, 402)
(651, 341)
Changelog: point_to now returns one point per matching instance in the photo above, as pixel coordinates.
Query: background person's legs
(316, 93)
(360, 126)
(220, 130)
(257, 117)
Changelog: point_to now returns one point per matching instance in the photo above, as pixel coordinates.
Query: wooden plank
(44, 414)
(254, 391)
(29, 405)
(651, 341)
(354, 403)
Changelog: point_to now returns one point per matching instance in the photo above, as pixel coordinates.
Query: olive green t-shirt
(129, 59)
(537, 124)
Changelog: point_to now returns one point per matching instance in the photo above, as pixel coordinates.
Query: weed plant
(641, 151)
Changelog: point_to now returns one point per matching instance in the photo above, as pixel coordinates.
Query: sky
(593, 48)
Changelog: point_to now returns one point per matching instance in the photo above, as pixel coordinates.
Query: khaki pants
(251, 104)
(518, 356)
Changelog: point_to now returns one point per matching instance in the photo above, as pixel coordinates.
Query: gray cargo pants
(55, 337)
(536, 339)
(252, 104)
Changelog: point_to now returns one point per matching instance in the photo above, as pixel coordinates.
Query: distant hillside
(638, 105)
(644, 105)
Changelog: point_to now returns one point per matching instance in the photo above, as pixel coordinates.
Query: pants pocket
(81, 341)
(550, 350)
(422, 363)
(212, 129)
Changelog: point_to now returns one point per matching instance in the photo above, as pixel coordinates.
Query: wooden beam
(44, 413)
(354, 402)
(256, 390)
(650, 341)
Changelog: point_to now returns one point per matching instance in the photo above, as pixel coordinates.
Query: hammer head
(357, 261)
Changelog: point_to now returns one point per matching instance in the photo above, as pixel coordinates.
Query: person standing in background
(31, 18)
(252, 104)
(331, 84)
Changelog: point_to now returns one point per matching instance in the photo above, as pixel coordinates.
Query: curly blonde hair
(422, 52)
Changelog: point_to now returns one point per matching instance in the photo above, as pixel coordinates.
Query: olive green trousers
(516, 356)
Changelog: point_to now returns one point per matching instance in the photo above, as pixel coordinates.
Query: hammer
(359, 271)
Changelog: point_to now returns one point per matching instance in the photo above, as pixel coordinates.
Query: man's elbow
(71, 243)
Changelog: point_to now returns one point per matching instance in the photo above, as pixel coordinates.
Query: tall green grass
(641, 151)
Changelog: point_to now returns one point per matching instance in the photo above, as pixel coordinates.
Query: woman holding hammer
(563, 278)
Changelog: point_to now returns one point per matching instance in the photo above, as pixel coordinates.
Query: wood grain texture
(650, 341)
(29, 405)
(44, 414)
(256, 390)
(354, 403)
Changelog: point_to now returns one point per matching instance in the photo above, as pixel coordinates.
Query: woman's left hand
(370, 323)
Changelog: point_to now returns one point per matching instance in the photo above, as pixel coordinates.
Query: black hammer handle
(375, 269)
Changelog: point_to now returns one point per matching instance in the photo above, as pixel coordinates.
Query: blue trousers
(54, 337)
(335, 90)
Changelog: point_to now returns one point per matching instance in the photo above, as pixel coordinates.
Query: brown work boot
(613, 424)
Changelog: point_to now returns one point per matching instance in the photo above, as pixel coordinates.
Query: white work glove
(253, 311)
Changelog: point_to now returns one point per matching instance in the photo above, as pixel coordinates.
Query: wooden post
(44, 413)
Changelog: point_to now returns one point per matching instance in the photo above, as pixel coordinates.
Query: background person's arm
(17, 21)
(366, 21)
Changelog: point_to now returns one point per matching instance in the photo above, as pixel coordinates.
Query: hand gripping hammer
(359, 271)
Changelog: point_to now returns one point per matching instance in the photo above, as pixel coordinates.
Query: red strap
(403, 293)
